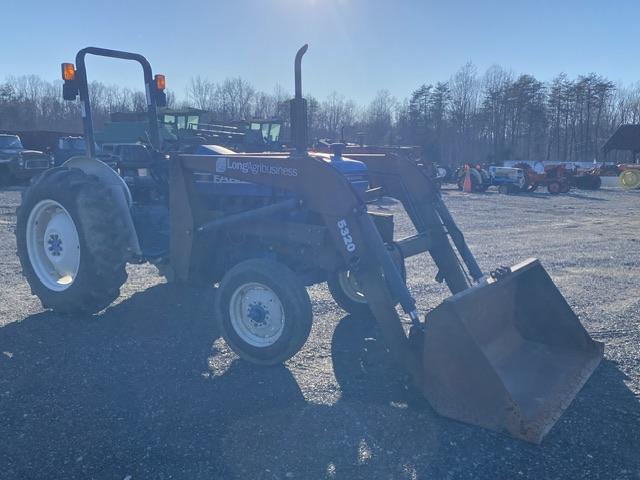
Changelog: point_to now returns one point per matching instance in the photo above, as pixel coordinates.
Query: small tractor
(507, 179)
(480, 178)
(505, 352)
(555, 178)
(586, 178)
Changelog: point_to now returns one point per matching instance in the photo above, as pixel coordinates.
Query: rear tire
(588, 182)
(629, 179)
(72, 243)
(263, 311)
(503, 189)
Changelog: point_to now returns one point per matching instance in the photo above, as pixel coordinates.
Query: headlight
(52, 160)
(20, 160)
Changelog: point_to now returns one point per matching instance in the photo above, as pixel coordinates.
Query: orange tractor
(555, 178)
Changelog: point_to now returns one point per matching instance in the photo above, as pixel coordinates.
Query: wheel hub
(53, 245)
(257, 314)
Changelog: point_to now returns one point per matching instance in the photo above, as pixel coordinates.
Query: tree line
(470, 117)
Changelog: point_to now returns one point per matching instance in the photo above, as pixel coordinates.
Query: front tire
(263, 311)
(346, 292)
(554, 187)
(72, 244)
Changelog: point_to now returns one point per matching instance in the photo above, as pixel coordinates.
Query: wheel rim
(630, 179)
(350, 287)
(53, 245)
(257, 314)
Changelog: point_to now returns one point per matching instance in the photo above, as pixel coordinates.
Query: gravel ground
(147, 390)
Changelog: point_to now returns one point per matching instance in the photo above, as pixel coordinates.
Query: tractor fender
(118, 188)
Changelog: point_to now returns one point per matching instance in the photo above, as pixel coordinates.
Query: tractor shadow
(538, 195)
(599, 434)
(582, 196)
(144, 389)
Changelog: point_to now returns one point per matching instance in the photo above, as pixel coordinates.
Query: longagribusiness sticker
(224, 164)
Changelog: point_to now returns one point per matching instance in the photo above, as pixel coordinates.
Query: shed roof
(626, 137)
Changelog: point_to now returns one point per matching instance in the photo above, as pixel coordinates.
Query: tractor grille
(33, 164)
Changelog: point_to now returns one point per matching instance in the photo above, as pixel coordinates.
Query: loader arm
(403, 179)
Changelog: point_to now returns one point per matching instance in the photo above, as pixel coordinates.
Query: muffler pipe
(297, 70)
(298, 105)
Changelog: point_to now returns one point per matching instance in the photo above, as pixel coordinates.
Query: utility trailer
(505, 352)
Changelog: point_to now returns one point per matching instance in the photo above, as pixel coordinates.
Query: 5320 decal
(346, 236)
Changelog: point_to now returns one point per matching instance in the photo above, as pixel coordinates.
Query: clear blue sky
(356, 46)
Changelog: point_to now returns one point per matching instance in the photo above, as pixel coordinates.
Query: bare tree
(379, 117)
(493, 117)
(201, 93)
(235, 97)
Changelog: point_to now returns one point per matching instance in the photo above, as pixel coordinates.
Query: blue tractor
(507, 179)
(505, 352)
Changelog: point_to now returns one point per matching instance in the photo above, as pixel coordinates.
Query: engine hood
(9, 151)
(343, 164)
(15, 151)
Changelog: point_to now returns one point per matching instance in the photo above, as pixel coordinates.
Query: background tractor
(555, 178)
(508, 180)
(184, 129)
(480, 178)
(505, 352)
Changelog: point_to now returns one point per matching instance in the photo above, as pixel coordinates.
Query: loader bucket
(509, 356)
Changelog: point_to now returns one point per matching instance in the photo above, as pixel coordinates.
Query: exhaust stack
(299, 135)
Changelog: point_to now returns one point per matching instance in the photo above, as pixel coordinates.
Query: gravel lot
(146, 390)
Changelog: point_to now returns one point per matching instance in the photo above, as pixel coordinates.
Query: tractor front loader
(505, 352)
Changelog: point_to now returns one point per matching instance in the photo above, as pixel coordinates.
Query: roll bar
(80, 86)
